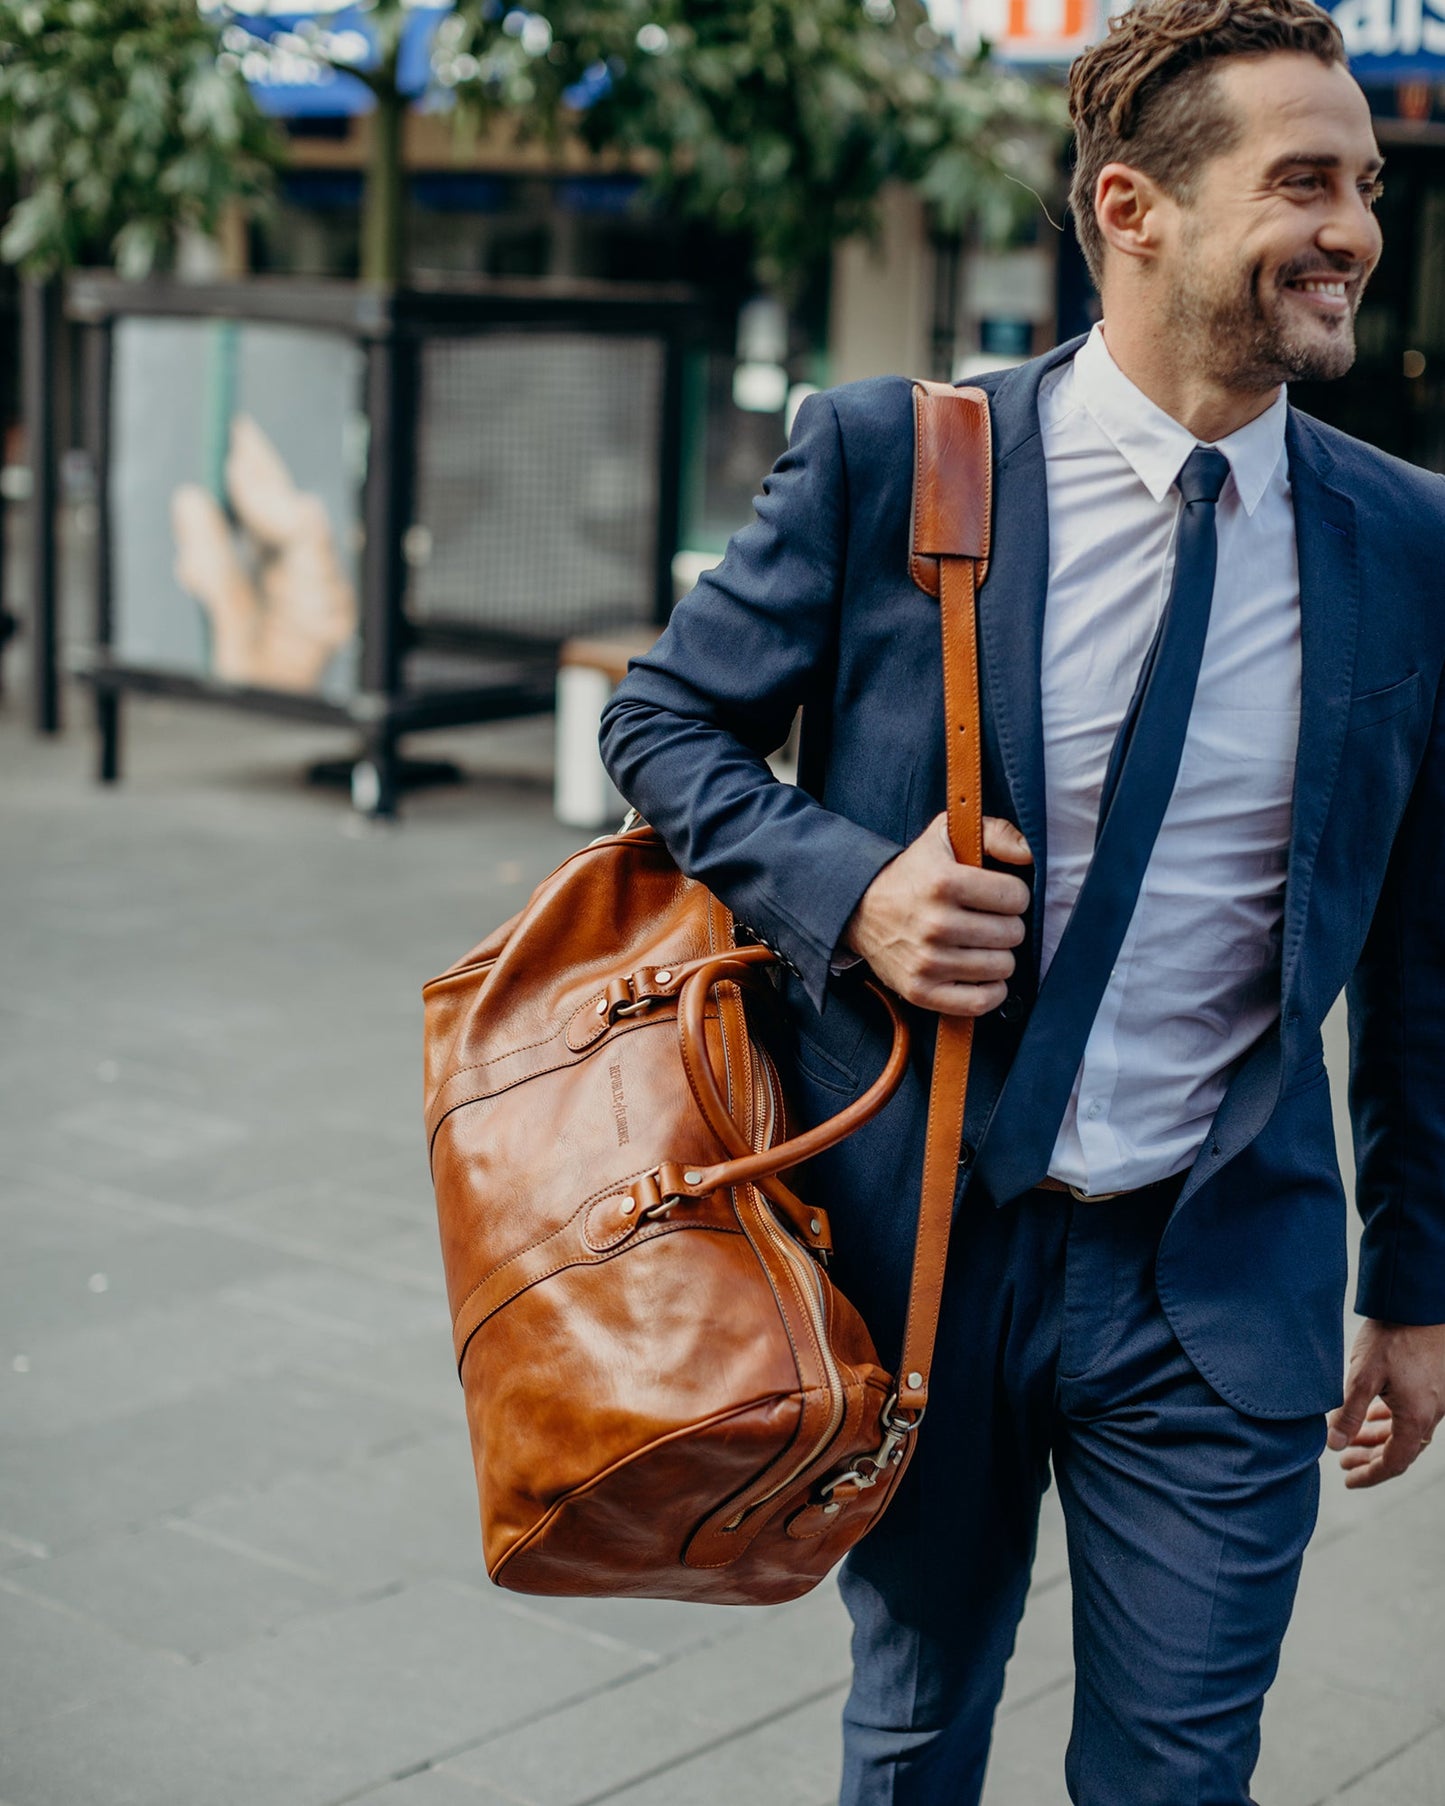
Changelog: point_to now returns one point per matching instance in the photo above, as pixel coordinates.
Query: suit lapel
(1329, 607)
(1011, 602)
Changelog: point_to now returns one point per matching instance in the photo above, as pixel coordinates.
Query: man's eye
(1371, 193)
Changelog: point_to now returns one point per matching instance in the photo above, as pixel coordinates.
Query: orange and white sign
(1023, 31)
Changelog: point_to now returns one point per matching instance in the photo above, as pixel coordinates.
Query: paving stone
(433, 1787)
(325, 1217)
(176, 1591)
(1026, 1763)
(792, 1760)
(1414, 1777)
(58, 1490)
(1397, 1562)
(106, 1371)
(1317, 1733)
(373, 1524)
(357, 1307)
(54, 1662)
(660, 1627)
(102, 1281)
(416, 1371)
(791, 1655)
(319, 1713)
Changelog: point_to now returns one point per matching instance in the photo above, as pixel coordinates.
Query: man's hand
(1394, 1397)
(940, 933)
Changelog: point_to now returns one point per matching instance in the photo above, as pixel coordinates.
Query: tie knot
(1203, 475)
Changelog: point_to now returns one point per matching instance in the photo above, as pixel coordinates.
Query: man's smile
(1329, 295)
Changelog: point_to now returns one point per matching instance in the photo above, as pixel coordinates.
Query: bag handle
(952, 510)
(761, 1167)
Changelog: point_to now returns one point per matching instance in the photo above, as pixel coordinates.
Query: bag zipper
(814, 1303)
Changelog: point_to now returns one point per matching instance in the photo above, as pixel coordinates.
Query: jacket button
(1011, 1008)
(965, 1154)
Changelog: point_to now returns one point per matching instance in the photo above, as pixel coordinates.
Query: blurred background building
(610, 291)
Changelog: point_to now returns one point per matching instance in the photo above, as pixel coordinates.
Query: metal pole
(669, 473)
(37, 360)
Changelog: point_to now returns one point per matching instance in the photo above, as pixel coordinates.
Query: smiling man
(1212, 643)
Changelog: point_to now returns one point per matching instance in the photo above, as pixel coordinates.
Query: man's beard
(1243, 338)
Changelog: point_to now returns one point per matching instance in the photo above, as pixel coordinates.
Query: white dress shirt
(1197, 978)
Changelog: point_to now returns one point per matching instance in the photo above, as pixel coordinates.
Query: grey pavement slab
(108, 1476)
(431, 1787)
(316, 1714)
(239, 1555)
(1414, 1777)
(700, 1701)
(54, 1662)
(400, 1515)
(184, 1593)
(1026, 1761)
(797, 1752)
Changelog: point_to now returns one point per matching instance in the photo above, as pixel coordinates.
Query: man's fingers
(945, 926)
(960, 999)
(966, 965)
(971, 887)
(1386, 1444)
(1002, 840)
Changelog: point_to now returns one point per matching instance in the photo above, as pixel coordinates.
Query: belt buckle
(1095, 1197)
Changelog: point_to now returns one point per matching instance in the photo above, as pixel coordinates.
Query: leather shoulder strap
(948, 556)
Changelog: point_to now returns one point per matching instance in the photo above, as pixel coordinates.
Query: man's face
(1262, 270)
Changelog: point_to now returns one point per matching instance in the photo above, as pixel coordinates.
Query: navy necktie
(1019, 1141)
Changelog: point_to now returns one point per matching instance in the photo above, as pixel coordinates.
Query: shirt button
(1093, 1110)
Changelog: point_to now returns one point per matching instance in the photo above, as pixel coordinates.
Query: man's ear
(1131, 209)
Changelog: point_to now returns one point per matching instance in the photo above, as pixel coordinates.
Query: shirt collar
(1155, 445)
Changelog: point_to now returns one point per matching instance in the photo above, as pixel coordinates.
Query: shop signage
(1396, 40)
(1392, 40)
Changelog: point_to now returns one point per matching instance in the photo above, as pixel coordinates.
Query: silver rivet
(815, 1224)
(692, 1178)
(601, 1006)
(664, 977)
(915, 1380)
(628, 1206)
(828, 1510)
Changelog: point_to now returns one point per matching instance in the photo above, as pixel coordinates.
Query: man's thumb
(1345, 1423)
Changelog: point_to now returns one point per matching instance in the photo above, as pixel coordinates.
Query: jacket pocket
(1380, 705)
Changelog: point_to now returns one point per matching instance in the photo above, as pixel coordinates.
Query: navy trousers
(1187, 1523)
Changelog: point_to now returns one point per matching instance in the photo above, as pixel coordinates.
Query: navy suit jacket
(813, 605)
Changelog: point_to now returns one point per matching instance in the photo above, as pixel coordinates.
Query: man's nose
(1352, 231)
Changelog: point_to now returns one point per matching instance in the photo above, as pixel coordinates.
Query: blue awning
(292, 85)
(1393, 40)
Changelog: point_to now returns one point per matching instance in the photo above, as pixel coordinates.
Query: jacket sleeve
(686, 735)
(1397, 1065)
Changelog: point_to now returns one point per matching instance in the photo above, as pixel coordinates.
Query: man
(1188, 579)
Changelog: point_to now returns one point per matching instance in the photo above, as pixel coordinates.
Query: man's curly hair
(1145, 95)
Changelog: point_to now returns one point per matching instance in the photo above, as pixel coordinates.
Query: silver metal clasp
(869, 1469)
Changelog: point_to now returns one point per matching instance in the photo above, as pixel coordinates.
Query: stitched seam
(593, 1258)
(517, 1254)
(692, 1429)
(628, 1026)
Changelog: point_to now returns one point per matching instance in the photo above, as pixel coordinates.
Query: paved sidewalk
(239, 1564)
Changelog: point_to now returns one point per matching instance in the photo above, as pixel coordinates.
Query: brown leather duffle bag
(666, 1394)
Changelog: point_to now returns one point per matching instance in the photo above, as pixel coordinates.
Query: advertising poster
(236, 462)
